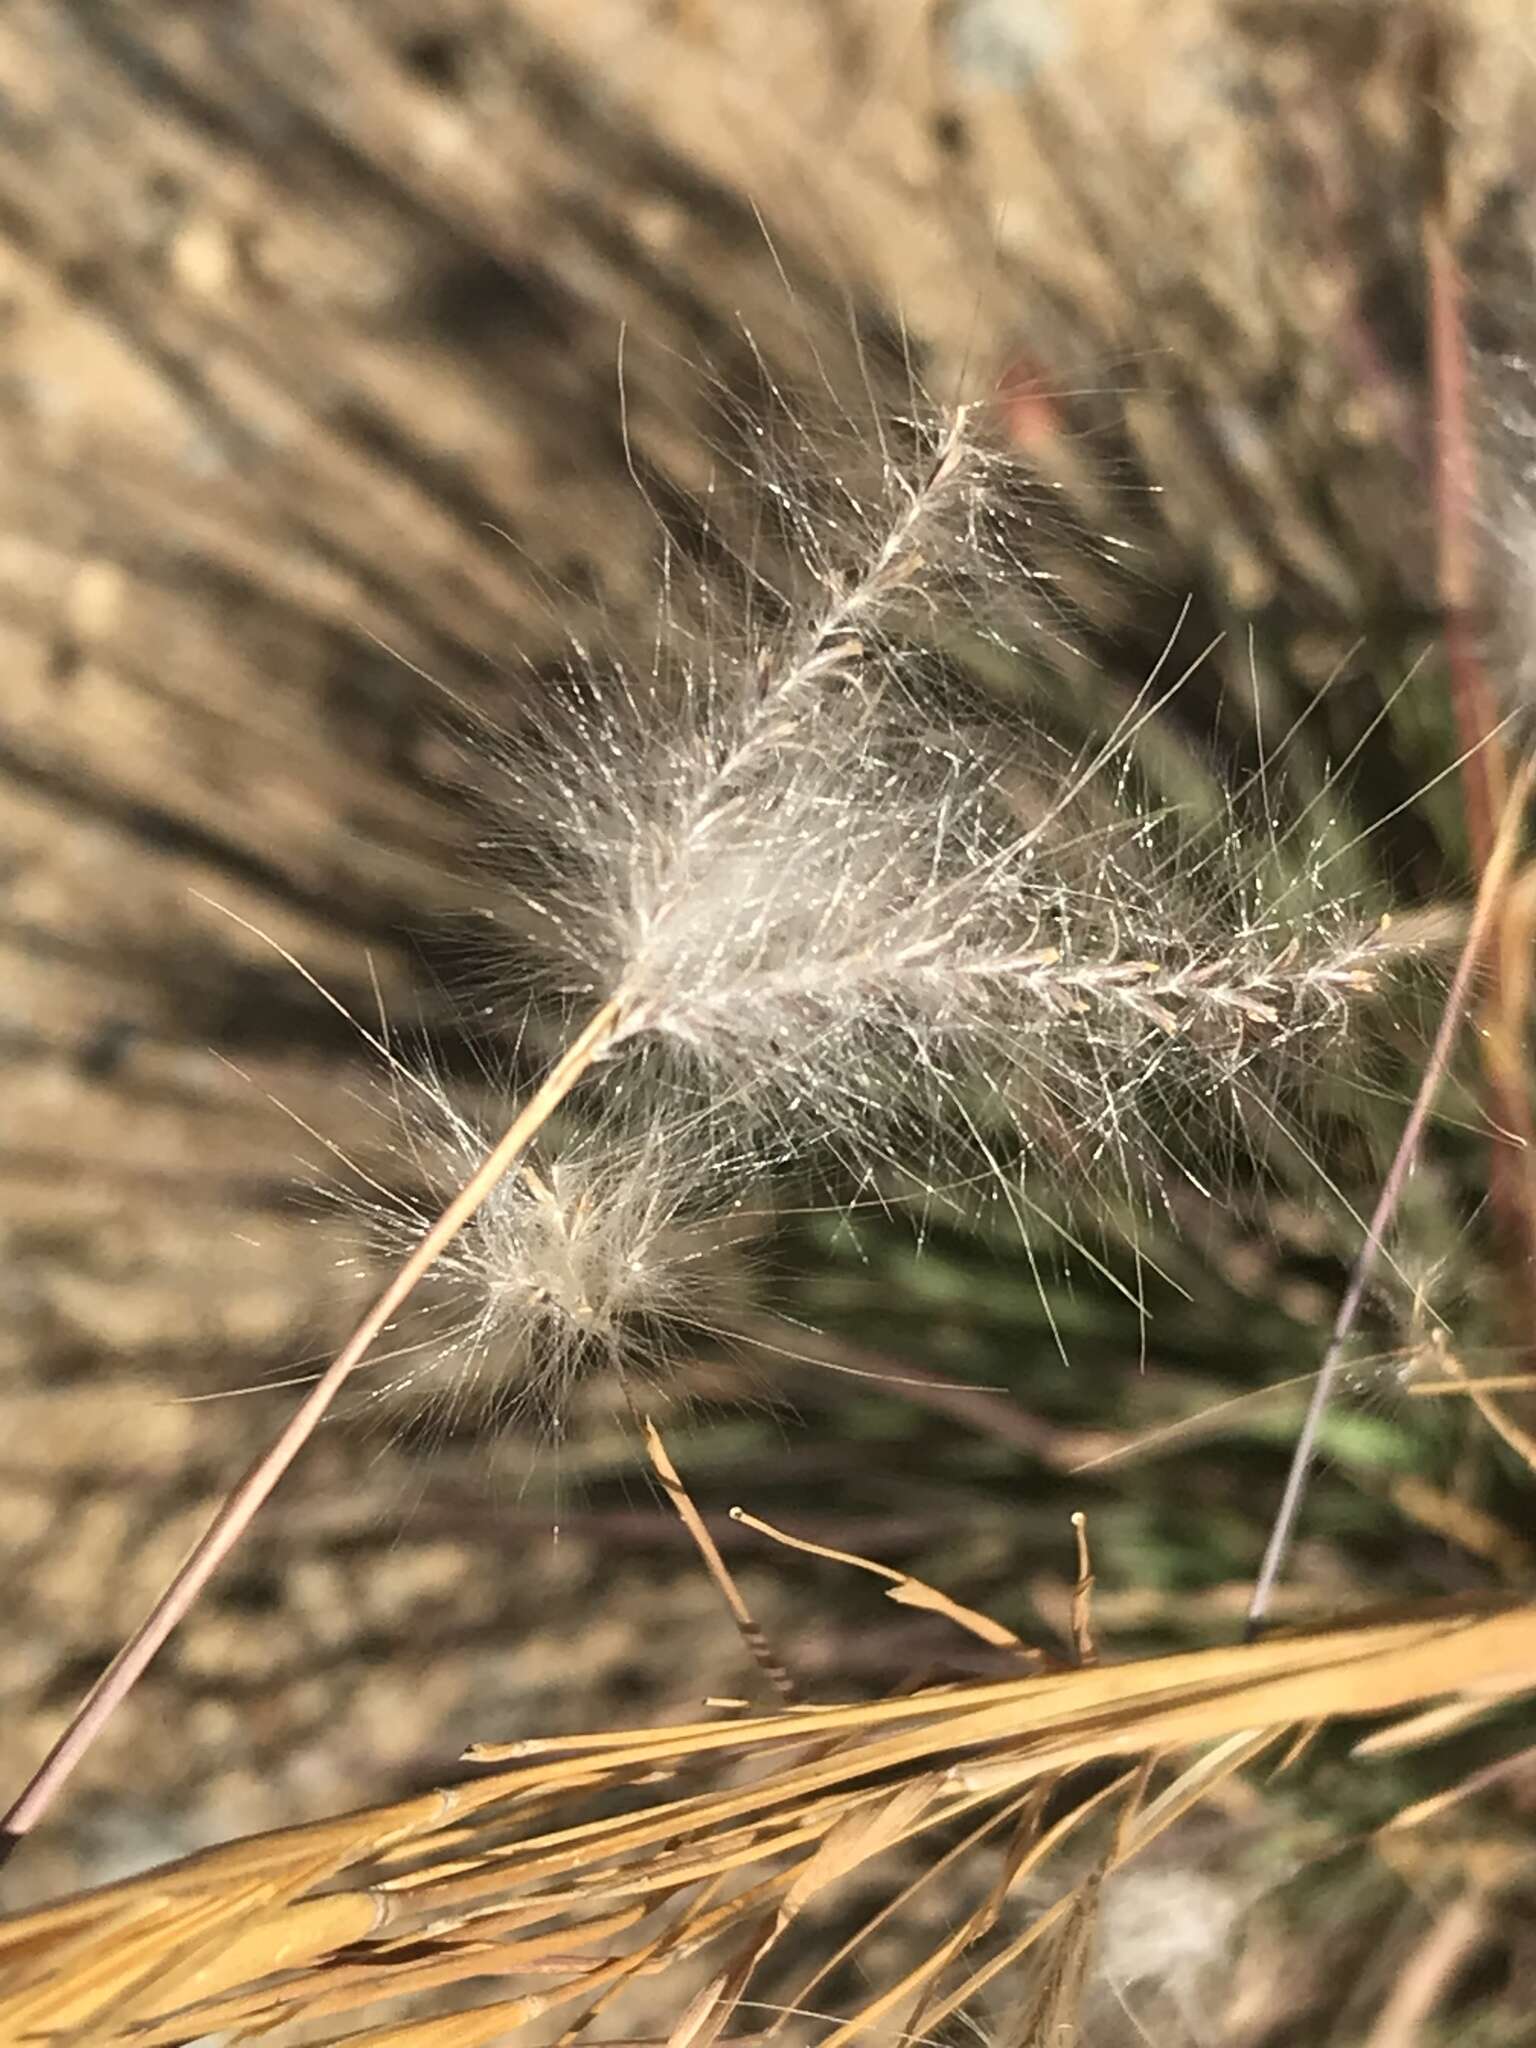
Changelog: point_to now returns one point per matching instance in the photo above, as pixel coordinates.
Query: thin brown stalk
(239, 1509)
(827, 648)
(1474, 704)
(1489, 903)
(1485, 773)
(1082, 1594)
(905, 1590)
(1519, 1440)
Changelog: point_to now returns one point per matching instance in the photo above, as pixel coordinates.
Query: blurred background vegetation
(310, 329)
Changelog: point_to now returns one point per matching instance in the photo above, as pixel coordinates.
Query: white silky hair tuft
(604, 1254)
(855, 897)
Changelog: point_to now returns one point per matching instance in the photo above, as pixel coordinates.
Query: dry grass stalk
(247, 1497)
(731, 751)
(508, 1875)
(1480, 728)
(1493, 887)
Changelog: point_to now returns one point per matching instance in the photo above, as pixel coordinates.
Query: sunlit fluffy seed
(602, 1257)
(802, 869)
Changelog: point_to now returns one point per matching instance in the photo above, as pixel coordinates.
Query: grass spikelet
(849, 893)
(602, 1255)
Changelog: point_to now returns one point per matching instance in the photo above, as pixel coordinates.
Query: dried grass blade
(1441, 1802)
(483, 2026)
(858, 1839)
(708, 2013)
(758, 1647)
(903, 1588)
(1362, 1666)
(1027, 1805)
(1519, 1440)
(1435, 1723)
(1029, 1854)
(217, 1994)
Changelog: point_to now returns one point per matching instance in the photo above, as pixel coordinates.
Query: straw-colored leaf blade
(483, 2025)
(1360, 1667)
(249, 1954)
(858, 1839)
(709, 2012)
(1031, 1851)
(510, 1873)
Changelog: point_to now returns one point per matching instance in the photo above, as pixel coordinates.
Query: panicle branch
(848, 893)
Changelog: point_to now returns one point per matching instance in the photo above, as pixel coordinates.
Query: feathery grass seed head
(852, 907)
(599, 1256)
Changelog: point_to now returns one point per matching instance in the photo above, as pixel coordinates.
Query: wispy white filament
(604, 1254)
(851, 897)
(827, 898)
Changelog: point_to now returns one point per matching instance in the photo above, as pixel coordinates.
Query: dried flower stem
(1485, 768)
(232, 1520)
(1485, 776)
(793, 870)
(1490, 901)
(758, 1647)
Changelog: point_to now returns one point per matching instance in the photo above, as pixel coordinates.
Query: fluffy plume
(1165, 1933)
(603, 1255)
(849, 895)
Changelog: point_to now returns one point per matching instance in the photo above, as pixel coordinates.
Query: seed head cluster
(855, 905)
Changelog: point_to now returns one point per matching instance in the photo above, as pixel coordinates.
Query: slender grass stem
(1474, 703)
(1490, 901)
(240, 1508)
